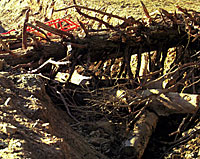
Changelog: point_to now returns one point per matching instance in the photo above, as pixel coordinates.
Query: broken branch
(24, 34)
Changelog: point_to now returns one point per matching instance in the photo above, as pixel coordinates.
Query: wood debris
(102, 55)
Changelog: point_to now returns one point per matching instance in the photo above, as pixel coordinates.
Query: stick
(4, 46)
(51, 62)
(94, 10)
(53, 30)
(38, 29)
(24, 34)
(146, 12)
(66, 106)
(139, 137)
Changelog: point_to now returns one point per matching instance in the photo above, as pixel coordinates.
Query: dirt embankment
(31, 126)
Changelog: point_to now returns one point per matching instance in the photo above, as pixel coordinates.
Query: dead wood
(113, 46)
(73, 145)
(106, 45)
(167, 103)
(53, 30)
(24, 33)
(138, 138)
(48, 50)
(5, 46)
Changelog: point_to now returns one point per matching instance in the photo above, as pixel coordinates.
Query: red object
(62, 24)
(8, 32)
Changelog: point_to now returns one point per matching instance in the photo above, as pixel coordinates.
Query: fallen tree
(158, 34)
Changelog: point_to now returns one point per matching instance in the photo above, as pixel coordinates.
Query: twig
(83, 27)
(178, 131)
(146, 12)
(172, 72)
(7, 101)
(66, 106)
(26, 65)
(196, 54)
(181, 141)
(139, 112)
(38, 29)
(53, 30)
(193, 86)
(24, 34)
(169, 15)
(94, 18)
(51, 62)
(188, 14)
(97, 11)
(5, 47)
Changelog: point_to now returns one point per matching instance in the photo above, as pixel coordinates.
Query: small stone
(18, 144)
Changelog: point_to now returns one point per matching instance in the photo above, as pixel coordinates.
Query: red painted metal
(61, 24)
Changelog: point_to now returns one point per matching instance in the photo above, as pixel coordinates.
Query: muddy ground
(32, 125)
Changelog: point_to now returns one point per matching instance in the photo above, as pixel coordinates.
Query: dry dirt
(12, 11)
(32, 126)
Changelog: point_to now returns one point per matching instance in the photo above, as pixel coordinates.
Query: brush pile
(128, 75)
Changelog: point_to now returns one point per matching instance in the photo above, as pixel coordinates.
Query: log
(102, 46)
(113, 46)
(167, 103)
(138, 139)
(73, 145)
(31, 54)
(110, 45)
(163, 103)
